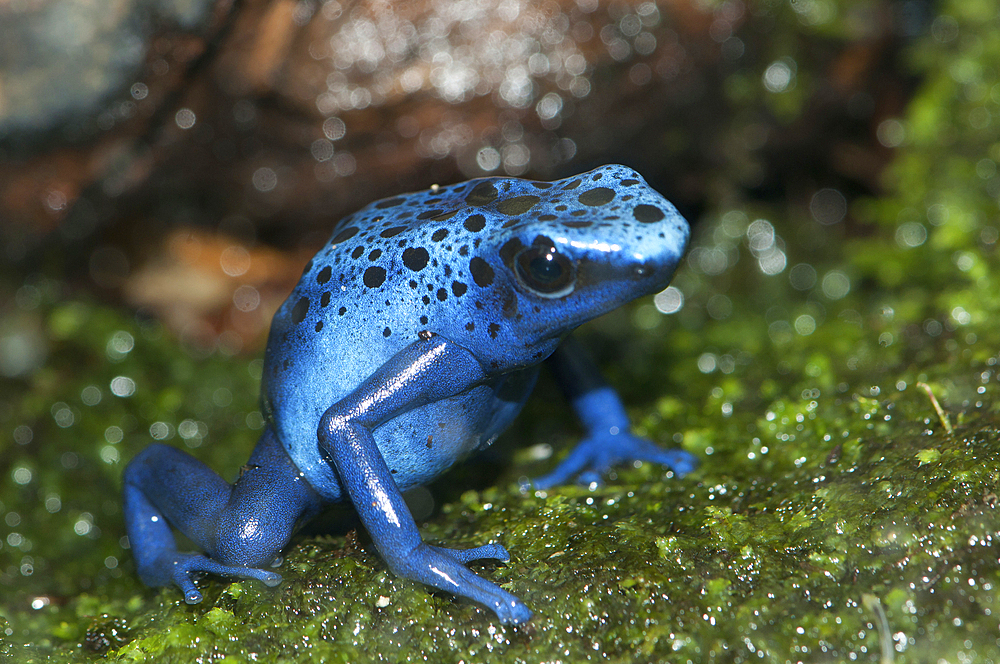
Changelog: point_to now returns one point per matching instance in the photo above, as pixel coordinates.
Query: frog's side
(415, 337)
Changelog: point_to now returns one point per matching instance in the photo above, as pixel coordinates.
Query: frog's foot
(465, 556)
(593, 457)
(445, 569)
(180, 568)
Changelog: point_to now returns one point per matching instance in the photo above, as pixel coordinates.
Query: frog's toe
(445, 569)
(592, 477)
(580, 459)
(270, 579)
(185, 566)
(555, 478)
(190, 591)
(587, 462)
(640, 449)
(592, 458)
(487, 551)
(679, 461)
(513, 612)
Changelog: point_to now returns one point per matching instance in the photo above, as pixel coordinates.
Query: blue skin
(414, 338)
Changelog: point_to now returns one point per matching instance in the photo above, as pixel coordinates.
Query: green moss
(834, 516)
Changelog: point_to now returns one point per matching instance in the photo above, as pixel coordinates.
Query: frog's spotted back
(463, 253)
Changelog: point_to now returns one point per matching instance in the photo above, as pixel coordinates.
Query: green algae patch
(110, 385)
(833, 527)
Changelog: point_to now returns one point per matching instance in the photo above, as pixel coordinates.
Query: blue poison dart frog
(414, 338)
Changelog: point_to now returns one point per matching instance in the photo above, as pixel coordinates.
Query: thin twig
(943, 416)
(872, 603)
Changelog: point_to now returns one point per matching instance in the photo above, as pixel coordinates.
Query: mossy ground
(836, 514)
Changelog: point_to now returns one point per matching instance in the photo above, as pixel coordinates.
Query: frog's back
(440, 261)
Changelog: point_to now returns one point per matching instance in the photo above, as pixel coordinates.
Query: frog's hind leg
(241, 527)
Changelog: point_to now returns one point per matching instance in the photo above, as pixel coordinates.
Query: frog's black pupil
(545, 271)
(545, 268)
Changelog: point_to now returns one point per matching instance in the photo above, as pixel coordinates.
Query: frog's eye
(544, 271)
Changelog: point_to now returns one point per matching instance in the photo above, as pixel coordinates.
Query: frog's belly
(422, 443)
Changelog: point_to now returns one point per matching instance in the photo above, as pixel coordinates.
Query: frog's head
(502, 266)
(577, 248)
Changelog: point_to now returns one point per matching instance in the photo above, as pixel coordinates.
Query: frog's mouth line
(655, 275)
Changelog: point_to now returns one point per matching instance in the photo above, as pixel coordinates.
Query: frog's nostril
(651, 269)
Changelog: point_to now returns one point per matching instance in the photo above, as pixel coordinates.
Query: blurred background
(185, 158)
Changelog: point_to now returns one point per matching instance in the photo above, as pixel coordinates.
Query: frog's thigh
(268, 500)
(244, 524)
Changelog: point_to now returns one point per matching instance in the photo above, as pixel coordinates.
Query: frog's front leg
(242, 526)
(424, 372)
(609, 440)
